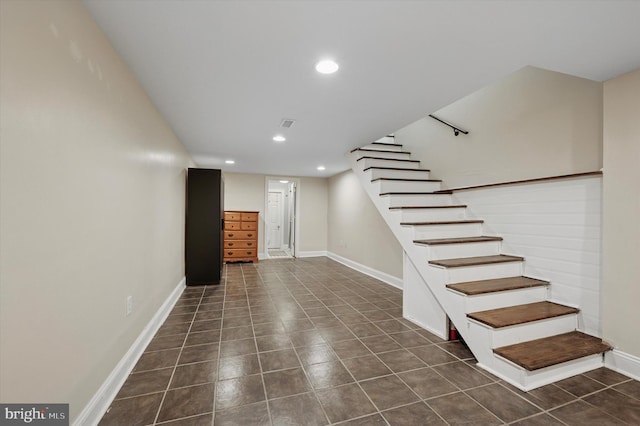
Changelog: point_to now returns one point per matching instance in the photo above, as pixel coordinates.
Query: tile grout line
(215, 385)
(304, 371)
(255, 342)
(175, 366)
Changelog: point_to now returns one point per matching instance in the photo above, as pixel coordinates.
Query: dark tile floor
(312, 342)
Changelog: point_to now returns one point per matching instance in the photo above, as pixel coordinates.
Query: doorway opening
(281, 228)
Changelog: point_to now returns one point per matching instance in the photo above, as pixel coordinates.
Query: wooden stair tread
(548, 351)
(475, 261)
(380, 150)
(406, 179)
(471, 288)
(417, 193)
(459, 240)
(387, 159)
(397, 168)
(455, 206)
(520, 314)
(442, 222)
(385, 143)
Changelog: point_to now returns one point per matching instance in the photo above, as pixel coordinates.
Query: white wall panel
(556, 226)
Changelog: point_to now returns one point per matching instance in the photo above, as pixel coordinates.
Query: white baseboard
(382, 276)
(262, 256)
(623, 363)
(98, 405)
(431, 330)
(312, 254)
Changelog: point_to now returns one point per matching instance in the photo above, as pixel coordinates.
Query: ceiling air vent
(287, 123)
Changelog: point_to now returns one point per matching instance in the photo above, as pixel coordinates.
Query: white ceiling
(224, 73)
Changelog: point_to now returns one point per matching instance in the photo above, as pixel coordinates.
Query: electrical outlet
(129, 305)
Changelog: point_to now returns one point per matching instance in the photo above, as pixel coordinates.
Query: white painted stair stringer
(433, 278)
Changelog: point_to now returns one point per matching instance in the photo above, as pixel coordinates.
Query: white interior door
(274, 223)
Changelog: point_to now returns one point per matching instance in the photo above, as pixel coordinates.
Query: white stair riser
(427, 232)
(498, 337)
(453, 251)
(483, 272)
(426, 215)
(398, 174)
(384, 154)
(529, 380)
(501, 299)
(374, 162)
(406, 186)
(388, 146)
(417, 200)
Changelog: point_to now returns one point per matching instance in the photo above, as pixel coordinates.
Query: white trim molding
(319, 253)
(382, 276)
(623, 363)
(98, 405)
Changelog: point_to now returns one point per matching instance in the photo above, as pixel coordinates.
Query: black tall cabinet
(204, 226)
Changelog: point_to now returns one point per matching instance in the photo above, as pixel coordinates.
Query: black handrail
(456, 130)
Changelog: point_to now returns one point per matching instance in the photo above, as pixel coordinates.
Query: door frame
(295, 252)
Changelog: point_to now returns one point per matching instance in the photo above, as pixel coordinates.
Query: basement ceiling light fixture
(279, 138)
(229, 162)
(321, 168)
(327, 66)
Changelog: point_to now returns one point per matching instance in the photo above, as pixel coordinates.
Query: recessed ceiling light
(230, 162)
(327, 66)
(284, 181)
(321, 168)
(279, 138)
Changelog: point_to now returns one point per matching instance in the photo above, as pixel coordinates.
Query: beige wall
(243, 191)
(356, 229)
(314, 196)
(92, 189)
(621, 210)
(533, 123)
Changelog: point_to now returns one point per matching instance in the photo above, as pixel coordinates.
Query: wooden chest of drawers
(240, 236)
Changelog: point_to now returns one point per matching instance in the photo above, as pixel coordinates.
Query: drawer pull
(249, 252)
(230, 235)
(229, 253)
(249, 244)
(250, 235)
(230, 244)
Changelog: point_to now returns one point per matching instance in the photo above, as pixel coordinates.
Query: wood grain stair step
(455, 206)
(461, 262)
(459, 240)
(548, 351)
(366, 157)
(520, 314)
(472, 288)
(385, 143)
(379, 150)
(396, 168)
(416, 193)
(406, 179)
(442, 222)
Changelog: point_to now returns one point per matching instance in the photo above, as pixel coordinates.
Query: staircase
(453, 271)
